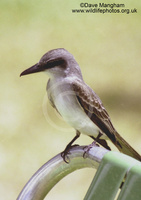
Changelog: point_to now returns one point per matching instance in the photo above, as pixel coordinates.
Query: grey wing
(93, 107)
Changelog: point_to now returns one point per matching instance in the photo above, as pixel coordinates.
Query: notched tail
(125, 148)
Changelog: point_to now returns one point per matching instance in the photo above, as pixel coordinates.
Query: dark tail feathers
(125, 148)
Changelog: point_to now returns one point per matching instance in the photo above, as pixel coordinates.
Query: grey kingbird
(76, 102)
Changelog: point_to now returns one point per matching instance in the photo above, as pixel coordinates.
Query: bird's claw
(66, 152)
(87, 148)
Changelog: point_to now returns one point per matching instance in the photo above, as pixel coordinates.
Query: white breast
(66, 103)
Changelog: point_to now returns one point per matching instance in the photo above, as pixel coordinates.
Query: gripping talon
(65, 153)
(87, 148)
(65, 157)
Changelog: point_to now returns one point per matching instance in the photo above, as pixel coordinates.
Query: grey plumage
(76, 102)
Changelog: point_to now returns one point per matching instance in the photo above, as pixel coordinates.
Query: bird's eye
(54, 63)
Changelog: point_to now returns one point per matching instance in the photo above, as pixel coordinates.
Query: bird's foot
(87, 148)
(66, 152)
(102, 142)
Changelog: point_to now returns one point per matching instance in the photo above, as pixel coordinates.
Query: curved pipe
(55, 169)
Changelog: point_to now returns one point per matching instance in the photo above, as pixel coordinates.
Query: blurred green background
(106, 46)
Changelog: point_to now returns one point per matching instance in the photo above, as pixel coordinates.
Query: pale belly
(74, 115)
(66, 102)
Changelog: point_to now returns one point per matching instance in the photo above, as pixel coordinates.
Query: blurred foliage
(107, 47)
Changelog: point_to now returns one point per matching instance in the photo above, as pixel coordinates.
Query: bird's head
(57, 62)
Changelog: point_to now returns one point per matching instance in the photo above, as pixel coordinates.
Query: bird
(76, 102)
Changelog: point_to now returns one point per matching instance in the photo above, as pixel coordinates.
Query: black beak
(35, 68)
